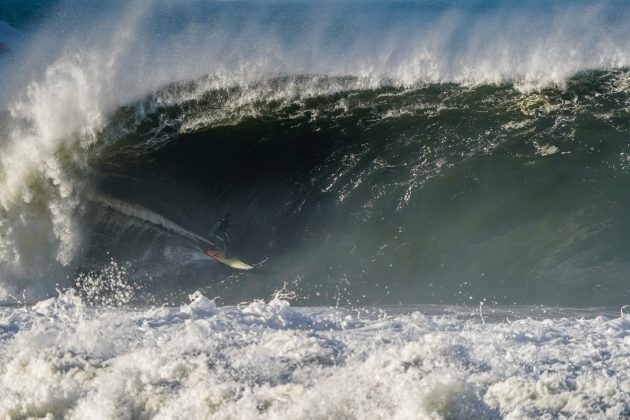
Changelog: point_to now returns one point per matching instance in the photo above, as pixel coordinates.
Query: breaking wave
(460, 151)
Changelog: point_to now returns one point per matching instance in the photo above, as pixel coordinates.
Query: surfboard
(218, 255)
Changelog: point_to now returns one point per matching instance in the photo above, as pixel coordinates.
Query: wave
(343, 188)
(324, 160)
(430, 183)
(372, 144)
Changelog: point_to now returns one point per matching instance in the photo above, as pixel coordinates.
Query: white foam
(545, 150)
(269, 360)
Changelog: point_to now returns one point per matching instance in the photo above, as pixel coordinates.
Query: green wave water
(438, 193)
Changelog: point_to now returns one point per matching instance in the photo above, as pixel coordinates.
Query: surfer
(217, 248)
(219, 234)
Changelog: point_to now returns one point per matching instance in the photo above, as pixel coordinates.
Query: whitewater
(433, 195)
(270, 360)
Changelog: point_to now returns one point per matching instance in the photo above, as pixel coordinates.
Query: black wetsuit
(219, 234)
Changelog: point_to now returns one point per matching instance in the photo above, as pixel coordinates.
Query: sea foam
(270, 360)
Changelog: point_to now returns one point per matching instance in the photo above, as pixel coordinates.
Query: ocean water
(433, 195)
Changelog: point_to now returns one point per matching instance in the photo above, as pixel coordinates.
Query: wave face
(432, 152)
(435, 194)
